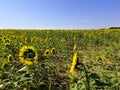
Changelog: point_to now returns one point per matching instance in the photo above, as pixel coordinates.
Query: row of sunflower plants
(96, 71)
(31, 62)
(42, 59)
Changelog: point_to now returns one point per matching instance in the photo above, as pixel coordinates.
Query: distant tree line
(114, 28)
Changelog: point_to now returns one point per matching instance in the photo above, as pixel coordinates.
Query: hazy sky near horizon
(59, 14)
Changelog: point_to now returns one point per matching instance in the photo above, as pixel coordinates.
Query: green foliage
(97, 66)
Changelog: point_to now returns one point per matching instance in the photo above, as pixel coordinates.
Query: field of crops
(60, 59)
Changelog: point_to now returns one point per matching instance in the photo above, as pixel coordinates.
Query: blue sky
(59, 14)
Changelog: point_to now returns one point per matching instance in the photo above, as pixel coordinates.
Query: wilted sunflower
(46, 53)
(28, 55)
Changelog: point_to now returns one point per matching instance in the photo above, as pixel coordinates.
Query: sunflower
(7, 44)
(74, 63)
(4, 38)
(53, 51)
(74, 47)
(7, 41)
(0, 35)
(62, 40)
(41, 41)
(74, 38)
(28, 55)
(1, 40)
(10, 58)
(46, 53)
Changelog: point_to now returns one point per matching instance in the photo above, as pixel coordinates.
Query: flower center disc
(29, 54)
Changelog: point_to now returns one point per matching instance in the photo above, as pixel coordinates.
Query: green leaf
(3, 64)
(24, 78)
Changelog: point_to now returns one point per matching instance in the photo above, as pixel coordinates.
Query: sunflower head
(1, 39)
(7, 44)
(41, 41)
(46, 53)
(53, 51)
(28, 55)
(4, 38)
(63, 40)
(7, 41)
(10, 58)
(0, 35)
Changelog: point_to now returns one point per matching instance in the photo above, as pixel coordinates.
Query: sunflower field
(60, 59)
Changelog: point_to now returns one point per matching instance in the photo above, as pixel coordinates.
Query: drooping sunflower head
(28, 55)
